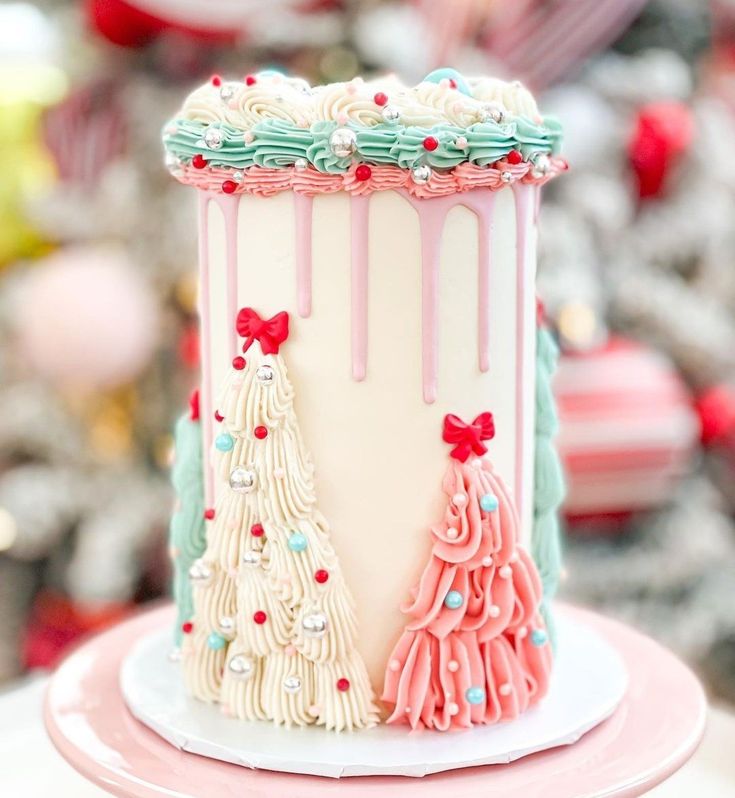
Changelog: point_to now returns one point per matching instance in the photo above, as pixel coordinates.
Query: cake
(366, 530)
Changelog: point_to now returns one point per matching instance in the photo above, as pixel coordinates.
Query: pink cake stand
(651, 735)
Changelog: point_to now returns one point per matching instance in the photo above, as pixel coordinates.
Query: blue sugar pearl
(216, 641)
(475, 695)
(224, 442)
(489, 503)
(297, 542)
(454, 600)
(539, 637)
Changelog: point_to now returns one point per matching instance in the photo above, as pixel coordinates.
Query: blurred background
(98, 343)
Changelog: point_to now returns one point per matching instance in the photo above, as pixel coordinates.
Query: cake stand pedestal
(656, 728)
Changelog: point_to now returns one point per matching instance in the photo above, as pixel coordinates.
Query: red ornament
(270, 333)
(199, 161)
(321, 576)
(468, 437)
(238, 363)
(260, 617)
(229, 186)
(514, 157)
(343, 685)
(664, 132)
(209, 513)
(381, 98)
(257, 531)
(250, 80)
(430, 143)
(194, 406)
(260, 433)
(217, 417)
(363, 172)
(716, 410)
(187, 627)
(216, 80)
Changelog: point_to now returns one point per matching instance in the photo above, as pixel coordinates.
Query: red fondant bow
(270, 333)
(468, 437)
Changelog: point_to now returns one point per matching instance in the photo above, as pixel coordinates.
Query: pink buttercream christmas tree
(475, 649)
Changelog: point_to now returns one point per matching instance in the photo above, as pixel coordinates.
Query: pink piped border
(465, 177)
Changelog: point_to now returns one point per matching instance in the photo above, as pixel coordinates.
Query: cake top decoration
(354, 130)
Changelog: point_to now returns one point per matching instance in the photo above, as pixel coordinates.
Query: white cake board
(588, 683)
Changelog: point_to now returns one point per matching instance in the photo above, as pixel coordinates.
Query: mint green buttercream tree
(187, 537)
(548, 477)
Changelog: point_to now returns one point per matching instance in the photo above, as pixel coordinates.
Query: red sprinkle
(363, 172)
(260, 617)
(238, 363)
(229, 186)
(514, 157)
(216, 80)
(217, 417)
(260, 433)
(321, 576)
(250, 80)
(256, 530)
(381, 98)
(430, 143)
(199, 161)
(452, 83)
(343, 685)
(187, 627)
(209, 513)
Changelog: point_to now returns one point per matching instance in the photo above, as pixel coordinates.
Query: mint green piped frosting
(187, 531)
(548, 479)
(277, 143)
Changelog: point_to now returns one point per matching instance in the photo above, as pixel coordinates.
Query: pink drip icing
(303, 206)
(229, 206)
(486, 642)
(205, 345)
(525, 205)
(359, 207)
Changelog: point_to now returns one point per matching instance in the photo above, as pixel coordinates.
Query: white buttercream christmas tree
(273, 633)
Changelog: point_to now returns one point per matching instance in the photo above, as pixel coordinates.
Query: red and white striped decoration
(628, 429)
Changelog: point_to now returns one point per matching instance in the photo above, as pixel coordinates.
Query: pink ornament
(87, 319)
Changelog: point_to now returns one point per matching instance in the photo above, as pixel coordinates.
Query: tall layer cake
(367, 469)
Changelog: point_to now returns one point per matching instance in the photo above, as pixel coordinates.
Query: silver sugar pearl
(506, 177)
(242, 480)
(227, 625)
(493, 112)
(390, 114)
(200, 571)
(227, 91)
(265, 375)
(421, 174)
(241, 667)
(292, 684)
(251, 557)
(314, 624)
(214, 138)
(301, 164)
(343, 142)
(541, 165)
(237, 176)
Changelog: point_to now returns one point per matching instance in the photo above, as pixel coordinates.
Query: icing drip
(261, 595)
(548, 479)
(359, 288)
(187, 534)
(474, 650)
(303, 211)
